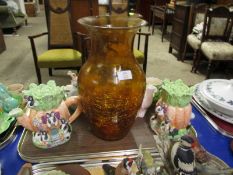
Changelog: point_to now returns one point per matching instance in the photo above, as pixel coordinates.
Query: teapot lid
(176, 93)
(44, 96)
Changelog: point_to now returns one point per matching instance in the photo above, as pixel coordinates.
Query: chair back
(119, 7)
(217, 24)
(197, 14)
(60, 34)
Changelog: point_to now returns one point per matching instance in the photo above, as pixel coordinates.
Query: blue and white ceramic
(204, 103)
(219, 94)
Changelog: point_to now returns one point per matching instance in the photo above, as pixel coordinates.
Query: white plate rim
(212, 99)
(217, 114)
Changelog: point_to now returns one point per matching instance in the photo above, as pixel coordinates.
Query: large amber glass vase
(111, 82)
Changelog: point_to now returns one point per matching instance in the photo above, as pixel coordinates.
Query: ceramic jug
(174, 109)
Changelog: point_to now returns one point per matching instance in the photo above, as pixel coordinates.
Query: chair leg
(144, 65)
(150, 20)
(164, 27)
(50, 72)
(195, 58)
(170, 49)
(198, 59)
(163, 31)
(184, 54)
(209, 69)
(153, 23)
(38, 74)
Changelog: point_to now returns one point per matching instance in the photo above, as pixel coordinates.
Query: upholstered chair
(197, 15)
(62, 46)
(215, 44)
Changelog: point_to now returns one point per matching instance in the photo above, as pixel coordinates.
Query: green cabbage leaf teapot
(47, 114)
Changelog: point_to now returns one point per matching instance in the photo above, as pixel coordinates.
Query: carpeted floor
(17, 64)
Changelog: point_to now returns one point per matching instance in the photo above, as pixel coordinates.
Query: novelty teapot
(47, 114)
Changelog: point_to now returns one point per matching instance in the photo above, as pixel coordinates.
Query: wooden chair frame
(145, 47)
(195, 9)
(162, 13)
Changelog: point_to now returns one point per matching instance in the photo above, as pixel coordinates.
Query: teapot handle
(74, 100)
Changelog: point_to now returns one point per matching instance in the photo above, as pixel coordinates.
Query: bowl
(219, 94)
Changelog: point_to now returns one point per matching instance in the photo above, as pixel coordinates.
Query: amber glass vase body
(111, 83)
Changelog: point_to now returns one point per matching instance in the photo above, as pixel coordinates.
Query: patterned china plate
(203, 102)
(219, 94)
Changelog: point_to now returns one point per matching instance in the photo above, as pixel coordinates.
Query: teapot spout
(25, 121)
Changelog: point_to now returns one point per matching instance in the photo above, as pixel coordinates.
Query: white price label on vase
(125, 75)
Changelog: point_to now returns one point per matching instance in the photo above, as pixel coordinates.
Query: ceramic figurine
(47, 114)
(15, 88)
(30, 101)
(159, 123)
(108, 169)
(72, 88)
(157, 83)
(153, 123)
(145, 162)
(147, 100)
(153, 81)
(201, 154)
(7, 102)
(182, 156)
(9, 107)
(206, 163)
(126, 167)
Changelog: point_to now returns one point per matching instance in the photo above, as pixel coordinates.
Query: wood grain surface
(83, 142)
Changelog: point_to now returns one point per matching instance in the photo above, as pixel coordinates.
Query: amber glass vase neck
(111, 42)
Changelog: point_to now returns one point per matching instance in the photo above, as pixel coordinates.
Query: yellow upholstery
(60, 58)
(139, 55)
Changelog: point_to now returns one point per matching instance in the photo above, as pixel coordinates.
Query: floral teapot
(47, 114)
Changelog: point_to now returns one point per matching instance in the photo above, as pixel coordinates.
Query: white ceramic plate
(204, 103)
(219, 94)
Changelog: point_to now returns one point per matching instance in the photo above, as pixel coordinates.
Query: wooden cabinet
(180, 28)
(143, 7)
(81, 8)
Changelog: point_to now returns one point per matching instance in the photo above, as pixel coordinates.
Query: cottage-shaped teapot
(47, 114)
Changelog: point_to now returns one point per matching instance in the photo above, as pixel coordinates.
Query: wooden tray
(84, 146)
